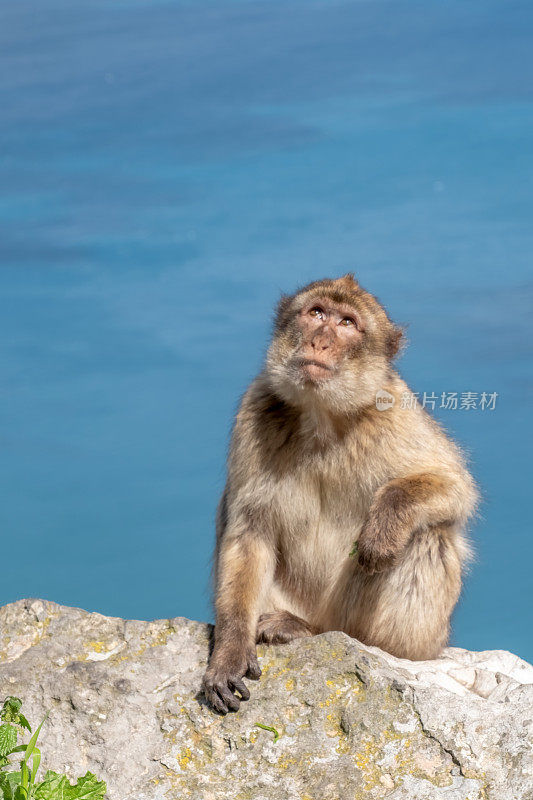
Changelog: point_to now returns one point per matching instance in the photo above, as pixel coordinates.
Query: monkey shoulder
(264, 422)
(403, 437)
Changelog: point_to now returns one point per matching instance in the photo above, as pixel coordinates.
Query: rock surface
(353, 722)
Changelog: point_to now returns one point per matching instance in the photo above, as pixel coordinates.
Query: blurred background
(166, 170)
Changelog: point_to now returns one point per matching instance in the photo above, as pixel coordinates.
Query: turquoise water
(166, 170)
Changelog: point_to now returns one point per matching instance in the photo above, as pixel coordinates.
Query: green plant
(354, 550)
(21, 784)
(268, 728)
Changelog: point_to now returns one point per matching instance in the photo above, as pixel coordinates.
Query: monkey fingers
(238, 685)
(215, 701)
(231, 700)
(254, 670)
(218, 693)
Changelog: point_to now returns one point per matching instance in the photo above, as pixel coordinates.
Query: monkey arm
(245, 570)
(404, 504)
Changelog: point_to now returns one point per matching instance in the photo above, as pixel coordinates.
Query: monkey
(338, 513)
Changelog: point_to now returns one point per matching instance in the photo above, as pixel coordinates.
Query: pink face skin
(329, 330)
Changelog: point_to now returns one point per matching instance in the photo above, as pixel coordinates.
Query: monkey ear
(349, 278)
(394, 341)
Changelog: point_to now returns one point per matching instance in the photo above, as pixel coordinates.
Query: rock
(353, 721)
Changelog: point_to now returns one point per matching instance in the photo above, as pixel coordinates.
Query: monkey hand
(378, 548)
(223, 680)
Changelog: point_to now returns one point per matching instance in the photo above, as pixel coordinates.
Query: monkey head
(332, 345)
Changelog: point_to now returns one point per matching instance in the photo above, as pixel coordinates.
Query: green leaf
(88, 788)
(36, 760)
(21, 785)
(23, 722)
(11, 713)
(11, 777)
(25, 775)
(8, 783)
(52, 788)
(10, 709)
(6, 790)
(30, 747)
(8, 739)
(58, 787)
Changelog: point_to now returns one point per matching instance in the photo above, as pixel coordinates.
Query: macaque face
(329, 333)
(332, 346)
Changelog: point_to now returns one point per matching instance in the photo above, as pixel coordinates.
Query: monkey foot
(278, 627)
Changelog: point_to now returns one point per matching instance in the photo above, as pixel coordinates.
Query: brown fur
(313, 467)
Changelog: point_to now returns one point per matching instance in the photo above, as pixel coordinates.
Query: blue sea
(166, 170)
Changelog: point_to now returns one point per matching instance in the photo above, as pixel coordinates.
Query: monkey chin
(315, 372)
(340, 392)
(300, 378)
(312, 386)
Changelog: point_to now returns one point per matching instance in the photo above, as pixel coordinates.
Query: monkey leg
(406, 610)
(278, 627)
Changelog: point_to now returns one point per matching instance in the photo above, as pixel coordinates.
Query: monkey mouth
(315, 370)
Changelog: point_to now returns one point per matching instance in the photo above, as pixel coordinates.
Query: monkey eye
(348, 322)
(317, 312)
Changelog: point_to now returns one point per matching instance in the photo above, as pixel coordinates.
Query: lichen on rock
(353, 722)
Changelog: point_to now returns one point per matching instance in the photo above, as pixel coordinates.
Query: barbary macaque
(344, 507)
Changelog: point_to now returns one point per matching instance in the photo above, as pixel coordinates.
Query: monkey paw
(373, 558)
(223, 684)
(279, 627)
